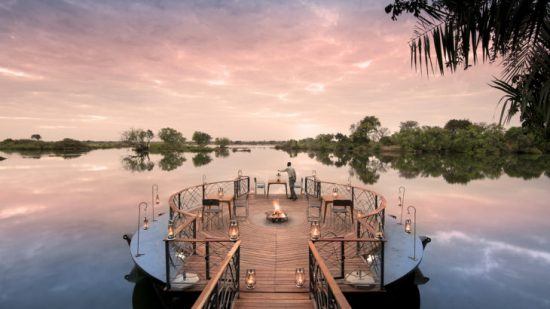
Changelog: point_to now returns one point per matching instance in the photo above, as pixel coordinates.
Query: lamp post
(155, 200)
(401, 202)
(408, 229)
(145, 224)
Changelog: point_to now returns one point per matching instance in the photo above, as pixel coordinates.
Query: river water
(62, 219)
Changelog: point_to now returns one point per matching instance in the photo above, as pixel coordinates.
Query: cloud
(363, 65)
(315, 88)
(17, 74)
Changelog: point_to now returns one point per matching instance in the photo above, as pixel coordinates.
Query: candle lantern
(335, 192)
(250, 279)
(220, 192)
(170, 230)
(300, 277)
(408, 227)
(233, 230)
(315, 231)
(239, 173)
(145, 224)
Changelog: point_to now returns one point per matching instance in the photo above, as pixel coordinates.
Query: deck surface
(275, 250)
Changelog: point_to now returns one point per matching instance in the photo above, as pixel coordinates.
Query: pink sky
(244, 69)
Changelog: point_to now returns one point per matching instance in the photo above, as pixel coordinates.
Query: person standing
(291, 180)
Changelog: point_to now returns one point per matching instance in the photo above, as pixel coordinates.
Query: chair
(259, 185)
(211, 208)
(340, 207)
(313, 203)
(300, 185)
(241, 201)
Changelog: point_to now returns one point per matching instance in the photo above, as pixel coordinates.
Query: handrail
(212, 286)
(334, 296)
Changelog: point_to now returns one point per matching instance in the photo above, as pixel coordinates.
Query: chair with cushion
(259, 185)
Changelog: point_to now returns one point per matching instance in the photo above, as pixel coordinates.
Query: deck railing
(354, 260)
(185, 203)
(222, 290)
(369, 206)
(324, 290)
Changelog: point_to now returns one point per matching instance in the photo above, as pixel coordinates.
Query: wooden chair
(259, 185)
(211, 208)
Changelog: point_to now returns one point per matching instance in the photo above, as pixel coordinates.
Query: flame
(276, 205)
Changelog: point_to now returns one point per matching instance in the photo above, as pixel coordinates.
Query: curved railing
(185, 203)
(369, 206)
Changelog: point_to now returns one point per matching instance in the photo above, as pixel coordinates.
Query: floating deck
(275, 250)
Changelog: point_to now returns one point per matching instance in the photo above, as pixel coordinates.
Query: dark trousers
(291, 182)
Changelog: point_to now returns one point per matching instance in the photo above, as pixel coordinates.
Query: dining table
(329, 199)
(225, 198)
(277, 181)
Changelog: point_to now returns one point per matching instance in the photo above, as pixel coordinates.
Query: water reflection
(455, 169)
(138, 162)
(201, 159)
(171, 160)
(40, 154)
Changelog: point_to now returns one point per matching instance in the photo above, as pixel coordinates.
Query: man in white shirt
(291, 180)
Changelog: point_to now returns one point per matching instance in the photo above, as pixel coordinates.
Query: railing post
(238, 268)
(343, 260)
(195, 235)
(167, 258)
(179, 201)
(383, 243)
(207, 260)
(310, 272)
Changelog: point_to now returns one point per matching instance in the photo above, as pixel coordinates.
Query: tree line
(171, 139)
(457, 136)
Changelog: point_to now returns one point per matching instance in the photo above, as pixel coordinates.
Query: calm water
(61, 221)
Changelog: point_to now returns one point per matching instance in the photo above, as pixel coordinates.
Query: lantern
(408, 226)
(233, 230)
(361, 215)
(157, 199)
(315, 231)
(220, 192)
(300, 277)
(250, 279)
(335, 192)
(170, 230)
(145, 223)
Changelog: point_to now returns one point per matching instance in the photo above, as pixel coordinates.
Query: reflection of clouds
(92, 168)
(490, 250)
(17, 211)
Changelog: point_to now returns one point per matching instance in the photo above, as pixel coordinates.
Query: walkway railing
(325, 291)
(222, 290)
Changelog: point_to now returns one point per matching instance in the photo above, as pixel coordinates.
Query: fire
(276, 205)
(277, 215)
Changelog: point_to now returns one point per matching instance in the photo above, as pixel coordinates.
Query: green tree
(364, 131)
(171, 137)
(138, 139)
(408, 125)
(515, 31)
(36, 137)
(222, 142)
(201, 138)
(454, 125)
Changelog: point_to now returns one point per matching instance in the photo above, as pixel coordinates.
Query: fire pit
(277, 215)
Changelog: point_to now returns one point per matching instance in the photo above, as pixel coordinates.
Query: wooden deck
(275, 250)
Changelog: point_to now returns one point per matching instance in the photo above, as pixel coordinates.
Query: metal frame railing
(370, 204)
(222, 290)
(322, 286)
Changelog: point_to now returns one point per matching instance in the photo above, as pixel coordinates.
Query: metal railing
(183, 204)
(222, 290)
(369, 206)
(359, 262)
(324, 290)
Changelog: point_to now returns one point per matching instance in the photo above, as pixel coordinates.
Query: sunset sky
(89, 69)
